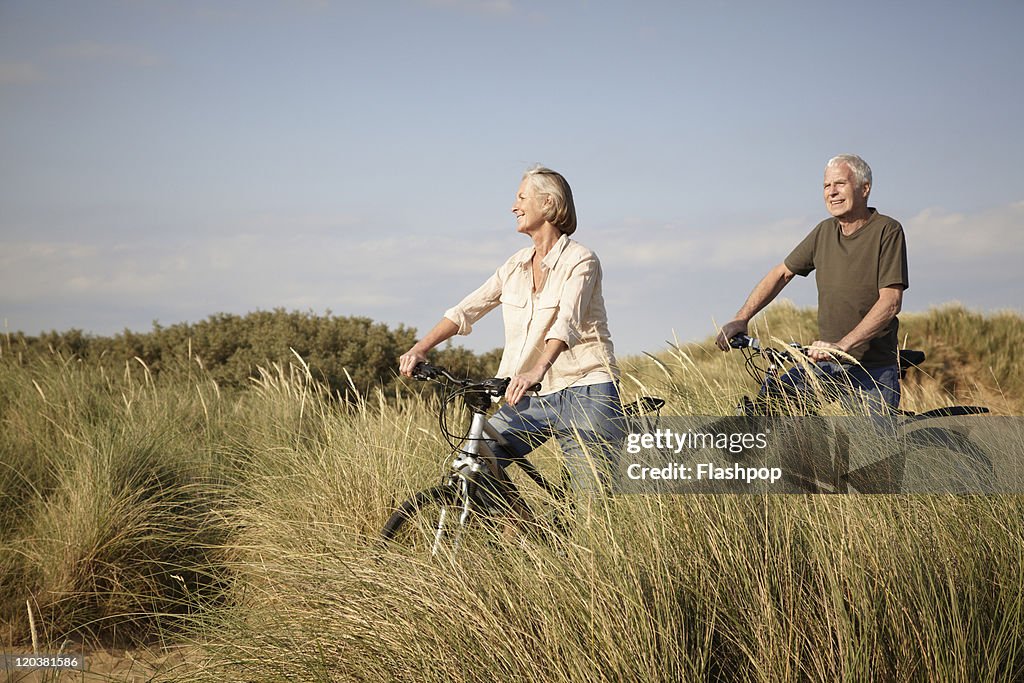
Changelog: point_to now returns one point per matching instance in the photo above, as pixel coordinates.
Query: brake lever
(498, 385)
(425, 371)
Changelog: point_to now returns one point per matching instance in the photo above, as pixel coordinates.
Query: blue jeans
(877, 389)
(587, 421)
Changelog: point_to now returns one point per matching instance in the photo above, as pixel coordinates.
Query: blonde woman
(556, 333)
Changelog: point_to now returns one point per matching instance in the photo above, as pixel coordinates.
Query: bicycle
(949, 458)
(476, 486)
(777, 360)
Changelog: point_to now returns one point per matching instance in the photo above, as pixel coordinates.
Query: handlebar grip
(500, 385)
(424, 370)
(742, 341)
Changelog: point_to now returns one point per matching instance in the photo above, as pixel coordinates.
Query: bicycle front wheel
(429, 515)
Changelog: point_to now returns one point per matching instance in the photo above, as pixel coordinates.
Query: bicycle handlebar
(495, 386)
(742, 341)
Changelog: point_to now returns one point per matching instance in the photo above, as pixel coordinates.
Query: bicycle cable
(454, 440)
(751, 366)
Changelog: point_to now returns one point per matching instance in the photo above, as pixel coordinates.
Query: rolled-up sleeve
(574, 301)
(477, 304)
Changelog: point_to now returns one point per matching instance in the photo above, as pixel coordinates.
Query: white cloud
(262, 269)
(993, 235)
(657, 277)
(990, 238)
(92, 51)
(712, 248)
(759, 245)
(19, 73)
(681, 276)
(490, 7)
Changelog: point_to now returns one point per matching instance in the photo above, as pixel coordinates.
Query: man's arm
(765, 291)
(890, 301)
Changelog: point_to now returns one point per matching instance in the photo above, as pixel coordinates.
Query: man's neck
(851, 223)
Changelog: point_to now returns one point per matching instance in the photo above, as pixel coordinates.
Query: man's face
(842, 196)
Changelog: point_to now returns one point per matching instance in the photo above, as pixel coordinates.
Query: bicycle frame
(909, 424)
(476, 479)
(475, 460)
(816, 384)
(472, 458)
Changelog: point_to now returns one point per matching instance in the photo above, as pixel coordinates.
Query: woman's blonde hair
(562, 212)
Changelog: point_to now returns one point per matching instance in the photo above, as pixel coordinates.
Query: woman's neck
(545, 239)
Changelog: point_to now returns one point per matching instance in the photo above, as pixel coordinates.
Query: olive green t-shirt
(850, 271)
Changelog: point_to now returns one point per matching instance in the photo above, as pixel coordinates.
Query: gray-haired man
(860, 259)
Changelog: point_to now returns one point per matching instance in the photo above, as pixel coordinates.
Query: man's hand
(822, 351)
(520, 384)
(730, 330)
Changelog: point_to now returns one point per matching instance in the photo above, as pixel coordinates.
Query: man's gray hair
(562, 213)
(860, 168)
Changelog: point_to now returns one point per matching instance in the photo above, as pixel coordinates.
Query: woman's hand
(520, 384)
(442, 331)
(409, 360)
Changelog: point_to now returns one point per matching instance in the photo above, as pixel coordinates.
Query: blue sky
(170, 160)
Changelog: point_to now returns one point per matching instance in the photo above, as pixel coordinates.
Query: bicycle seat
(909, 358)
(644, 405)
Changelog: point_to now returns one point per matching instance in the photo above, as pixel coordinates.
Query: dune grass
(138, 510)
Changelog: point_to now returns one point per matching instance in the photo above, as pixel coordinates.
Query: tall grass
(140, 510)
(109, 490)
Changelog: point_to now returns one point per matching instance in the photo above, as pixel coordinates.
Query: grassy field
(147, 512)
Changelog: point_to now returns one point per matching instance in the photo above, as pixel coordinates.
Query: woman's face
(529, 208)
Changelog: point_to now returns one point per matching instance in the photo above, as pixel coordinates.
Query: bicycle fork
(463, 518)
(464, 467)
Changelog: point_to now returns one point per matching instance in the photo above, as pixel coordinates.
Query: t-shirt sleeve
(892, 258)
(801, 259)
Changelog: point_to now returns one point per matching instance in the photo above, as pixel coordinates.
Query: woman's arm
(442, 331)
(457, 320)
(574, 300)
(520, 384)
